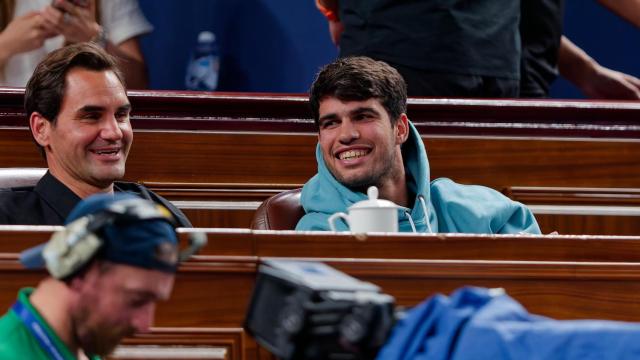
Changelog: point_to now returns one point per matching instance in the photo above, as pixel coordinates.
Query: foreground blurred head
(115, 259)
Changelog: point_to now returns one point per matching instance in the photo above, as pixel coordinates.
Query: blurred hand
(604, 83)
(335, 29)
(25, 33)
(75, 23)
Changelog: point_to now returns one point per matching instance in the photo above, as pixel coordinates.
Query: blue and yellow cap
(121, 228)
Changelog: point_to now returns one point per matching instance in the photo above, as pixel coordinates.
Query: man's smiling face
(91, 137)
(359, 144)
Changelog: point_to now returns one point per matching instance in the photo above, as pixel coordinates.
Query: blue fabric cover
(478, 323)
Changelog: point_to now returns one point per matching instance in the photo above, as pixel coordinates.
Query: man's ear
(40, 128)
(402, 129)
(86, 275)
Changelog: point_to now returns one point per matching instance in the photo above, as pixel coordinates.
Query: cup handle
(332, 220)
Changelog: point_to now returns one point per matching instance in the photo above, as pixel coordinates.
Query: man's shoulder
(448, 188)
(14, 339)
(479, 209)
(15, 201)
(145, 193)
(468, 199)
(15, 192)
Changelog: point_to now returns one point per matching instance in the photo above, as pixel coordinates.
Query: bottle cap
(206, 36)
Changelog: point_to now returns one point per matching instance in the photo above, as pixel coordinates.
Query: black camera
(308, 310)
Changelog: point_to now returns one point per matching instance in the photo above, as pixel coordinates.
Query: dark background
(278, 45)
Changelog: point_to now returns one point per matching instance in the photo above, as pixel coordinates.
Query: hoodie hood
(323, 195)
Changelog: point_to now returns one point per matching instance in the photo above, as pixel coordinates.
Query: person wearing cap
(116, 258)
(365, 139)
(78, 112)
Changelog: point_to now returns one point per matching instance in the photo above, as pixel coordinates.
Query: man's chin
(357, 183)
(106, 178)
(103, 346)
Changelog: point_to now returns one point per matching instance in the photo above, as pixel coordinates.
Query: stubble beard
(97, 339)
(375, 177)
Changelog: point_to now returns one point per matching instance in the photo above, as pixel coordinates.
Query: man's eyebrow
(125, 107)
(91, 108)
(98, 108)
(329, 116)
(364, 109)
(147, 294)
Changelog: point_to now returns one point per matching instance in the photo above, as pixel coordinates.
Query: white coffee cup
(373, 215)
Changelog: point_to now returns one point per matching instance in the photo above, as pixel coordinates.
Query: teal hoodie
(450, 207)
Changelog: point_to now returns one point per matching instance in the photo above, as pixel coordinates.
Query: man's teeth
(352, 154)
(106, 152)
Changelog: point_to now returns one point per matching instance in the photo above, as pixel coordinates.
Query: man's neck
(394, 188)
(51, 299)
(80, 188)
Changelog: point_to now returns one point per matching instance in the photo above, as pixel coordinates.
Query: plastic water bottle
(202, 71)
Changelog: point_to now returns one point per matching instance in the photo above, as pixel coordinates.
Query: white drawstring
(426, 212)
(408, 215)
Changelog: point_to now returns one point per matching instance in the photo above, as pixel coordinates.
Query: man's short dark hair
(360, 78)
(45, 89)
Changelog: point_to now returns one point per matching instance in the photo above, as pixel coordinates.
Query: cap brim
(32, 258)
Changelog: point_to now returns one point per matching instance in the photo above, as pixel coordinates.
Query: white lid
(373, 201)
(206, 36)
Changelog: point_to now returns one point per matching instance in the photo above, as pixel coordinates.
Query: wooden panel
(13, 277)
(242, 245)
(223, 218)
(445, 246)
(237, 242)
(589, 224)
(501, 163)
(574, 196)
(288, 160)
(216, 289)
(202, 148)
(269, 139)
(183, 343)
(290, 113)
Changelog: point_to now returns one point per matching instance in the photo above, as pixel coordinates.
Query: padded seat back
(17, 177)
(279, 212)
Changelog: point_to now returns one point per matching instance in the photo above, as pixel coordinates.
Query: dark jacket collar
(57, 195)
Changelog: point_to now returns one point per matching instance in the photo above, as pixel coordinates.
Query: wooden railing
(220, 155)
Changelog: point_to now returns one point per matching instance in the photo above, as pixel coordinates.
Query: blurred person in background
(30, 29)
(451, 48)
(546, 53)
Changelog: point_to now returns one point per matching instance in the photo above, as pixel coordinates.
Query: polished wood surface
(242, 245)
(237, 138)
(184, 343)
(290, 113)
(287, 160)
(220, 155)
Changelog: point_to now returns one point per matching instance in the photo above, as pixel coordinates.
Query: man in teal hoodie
(365, 139)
